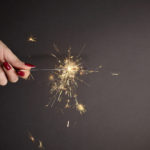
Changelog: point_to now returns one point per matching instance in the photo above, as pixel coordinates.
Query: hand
(11, 68)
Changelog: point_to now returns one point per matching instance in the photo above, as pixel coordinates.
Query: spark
(68, 124)
(100, 66)
(31, 137)
(37, 142)
(67, 104)
(40, 146)
(65, 80)
(56, 48)
(32, 39)
(115, 74)
(80, 108)
(51, 77)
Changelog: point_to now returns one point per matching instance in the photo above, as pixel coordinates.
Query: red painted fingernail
(7, 65)
(20, 73)
(30, 65)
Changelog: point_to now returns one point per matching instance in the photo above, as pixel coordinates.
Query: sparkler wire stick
(56, 69)
(50, 69)
(45, 69)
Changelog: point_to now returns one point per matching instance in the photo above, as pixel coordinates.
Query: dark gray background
(117, 36)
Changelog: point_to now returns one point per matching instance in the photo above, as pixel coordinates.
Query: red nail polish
(30, 65)
(20, 73)
(7, 65)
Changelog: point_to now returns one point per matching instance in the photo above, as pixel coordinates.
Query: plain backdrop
(117, 36)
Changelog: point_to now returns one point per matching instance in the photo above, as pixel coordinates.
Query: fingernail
(30, 65)
(20, 73)
(7, 65)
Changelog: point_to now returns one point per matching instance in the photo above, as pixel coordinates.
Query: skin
(6, 55)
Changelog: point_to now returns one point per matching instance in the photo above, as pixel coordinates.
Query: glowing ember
(115, 74)
(80, 108)
(40, 146)
(51, 77)
(32, 39)
(68, 124)
(31, 137)
(35, 141)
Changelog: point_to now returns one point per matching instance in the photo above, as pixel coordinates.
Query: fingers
(11, 63)
(23, 73)
(3, 79)
(7, 72)
(16, 62)
(13, 74)
(24, 68)
(10, 72)
(12, 59)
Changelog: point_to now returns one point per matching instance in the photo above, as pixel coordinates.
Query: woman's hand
(11, 68)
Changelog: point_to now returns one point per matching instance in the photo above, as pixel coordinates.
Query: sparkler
(65, 80)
